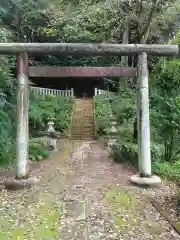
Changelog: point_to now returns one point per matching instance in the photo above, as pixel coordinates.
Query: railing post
(22, 117)
(72, 92)
(95, 91)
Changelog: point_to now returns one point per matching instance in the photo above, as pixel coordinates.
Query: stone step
(83, 120)
(85, 108)
(79, 131)
(82, 138)
(82, 133)
(82, 129)
(82, 114)
(78, 115)
(82, 124)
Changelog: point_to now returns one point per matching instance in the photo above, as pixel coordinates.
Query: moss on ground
(123, 206)
(128, 211)
(35, 214)
(40, 220)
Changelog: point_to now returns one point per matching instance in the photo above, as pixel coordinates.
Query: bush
(6, 142)
(124, 106)
(168, 170)
(103, 115)
(42, 108)
(125, 132)
(124, 109)
(37, 150)
(165, 89)
(7, 123)
(127, 151)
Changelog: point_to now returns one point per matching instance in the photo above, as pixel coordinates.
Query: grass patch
(120, 198)
(123, 206)
(39, 220)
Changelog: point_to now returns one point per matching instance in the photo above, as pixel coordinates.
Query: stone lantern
(52, 136)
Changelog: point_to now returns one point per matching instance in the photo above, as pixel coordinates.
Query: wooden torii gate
(87, 49)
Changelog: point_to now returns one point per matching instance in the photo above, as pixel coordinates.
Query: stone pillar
(143, 123)
(22, 178)
(144, 152)
(22, 117)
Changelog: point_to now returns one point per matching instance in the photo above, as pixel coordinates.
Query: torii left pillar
(144, 176)
(22, 138)
(22, 117)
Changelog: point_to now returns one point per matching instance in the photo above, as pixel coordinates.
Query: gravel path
(82, 195)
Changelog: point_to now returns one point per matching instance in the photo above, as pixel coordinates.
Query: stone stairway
(83, 120)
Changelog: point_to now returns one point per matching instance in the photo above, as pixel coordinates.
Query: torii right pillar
(144, 176)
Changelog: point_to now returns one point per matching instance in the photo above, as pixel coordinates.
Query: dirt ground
(84, 195)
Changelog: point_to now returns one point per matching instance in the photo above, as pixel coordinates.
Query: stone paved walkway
(82, 195)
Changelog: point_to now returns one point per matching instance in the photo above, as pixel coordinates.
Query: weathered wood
(22, 117)
(89, 49)
(47, 71)
(144, 152)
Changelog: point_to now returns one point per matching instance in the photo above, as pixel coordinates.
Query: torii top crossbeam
(89, 49)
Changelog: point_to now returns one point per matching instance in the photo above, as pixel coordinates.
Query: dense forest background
(111, 21)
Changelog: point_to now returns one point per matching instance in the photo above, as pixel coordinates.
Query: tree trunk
(125, 40)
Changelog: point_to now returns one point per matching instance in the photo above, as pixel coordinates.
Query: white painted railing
(54, 92)
(100, 91)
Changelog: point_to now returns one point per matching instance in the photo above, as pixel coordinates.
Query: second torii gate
(86, 49)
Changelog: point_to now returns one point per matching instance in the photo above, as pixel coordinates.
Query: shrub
(103, 115)
(125, 132)
(37, 150)
(166, 106)
(6, 142)
(124, 109)
(168, 170)
(42, 108)
(124, 106)
(127, 151)
(7, 126)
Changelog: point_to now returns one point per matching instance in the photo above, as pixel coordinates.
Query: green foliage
(43, 108)
(84, 21)
(103, 114)
(7, 123)
(125, 132)
(37, 150)
(124, 106)
(128, 151)
(6, 140)
(166, 108)
(168, 170)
